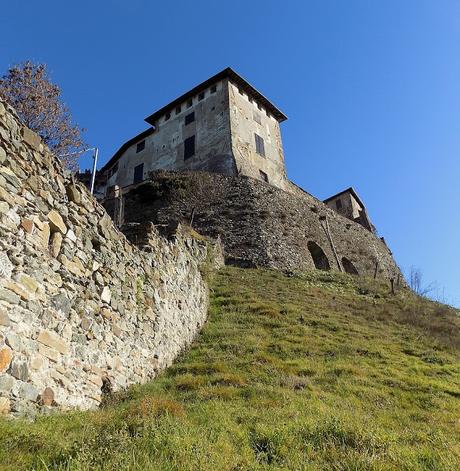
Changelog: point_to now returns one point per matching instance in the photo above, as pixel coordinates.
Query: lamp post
(93, 176)
(95, 155)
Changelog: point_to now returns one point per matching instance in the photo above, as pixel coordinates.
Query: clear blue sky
(371, 89)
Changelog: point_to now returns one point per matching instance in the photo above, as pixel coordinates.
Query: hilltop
(305, 371)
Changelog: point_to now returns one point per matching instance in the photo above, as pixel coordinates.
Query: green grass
(306, 372)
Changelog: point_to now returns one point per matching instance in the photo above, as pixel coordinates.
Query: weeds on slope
(304, 372)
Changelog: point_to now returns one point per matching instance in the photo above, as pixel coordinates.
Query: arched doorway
(319, 257)
(349, 267)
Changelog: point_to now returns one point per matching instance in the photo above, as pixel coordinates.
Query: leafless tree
(416, 282)
(28, 89)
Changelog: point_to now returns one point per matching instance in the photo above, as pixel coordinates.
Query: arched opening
(319, 257)
(349, 267)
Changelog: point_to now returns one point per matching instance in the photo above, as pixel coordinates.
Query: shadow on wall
(319, 257)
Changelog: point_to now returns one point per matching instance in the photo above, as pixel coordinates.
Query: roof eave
(226, 73)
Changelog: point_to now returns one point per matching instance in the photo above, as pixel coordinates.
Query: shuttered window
(260, 148)
(138, 173)
(140, 146)
(189, 147)
(190, 118)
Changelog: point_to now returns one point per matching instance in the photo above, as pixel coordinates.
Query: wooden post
(376, 268)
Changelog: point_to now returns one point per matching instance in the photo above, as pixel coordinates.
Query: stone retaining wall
(259, 225)
(82, 311)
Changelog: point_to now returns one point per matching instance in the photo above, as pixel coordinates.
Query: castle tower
(223, 125)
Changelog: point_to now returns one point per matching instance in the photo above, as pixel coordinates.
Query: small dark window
(250, 99)
(138, 173)
(178, 109)
(338, 204)
(213, 89)
(167, 116)
(189, 147)
(259, 106)
(190, 118)
(200, 96)
(241, 91)
(256, 117)
(263, 176)
(260, 148)
(189, 103)
(140, 146)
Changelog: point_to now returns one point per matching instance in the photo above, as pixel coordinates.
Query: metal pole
(93, 176)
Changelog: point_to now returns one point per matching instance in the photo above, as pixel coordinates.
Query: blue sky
(371, 89)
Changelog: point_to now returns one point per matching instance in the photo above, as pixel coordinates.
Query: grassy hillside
(304, 372)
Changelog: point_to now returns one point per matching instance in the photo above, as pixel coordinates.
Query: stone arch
(349, 267)
(319, 257)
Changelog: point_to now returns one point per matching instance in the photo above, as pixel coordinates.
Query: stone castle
(95, 297)
(214, 158)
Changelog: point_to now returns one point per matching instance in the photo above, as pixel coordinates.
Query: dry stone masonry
(259, 225)
(82, 310)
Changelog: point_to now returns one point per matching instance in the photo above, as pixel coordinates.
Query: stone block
(28, 283)
(56, 222)
(6, 383)
(4, 319)
(2, 155)
(27, 225)
(47, 397)
(28, 392)
(31, 138)
(52, 340)
(37, 362)
(48, 352)
(56, 243)
(9, 296)
(19, 370)
(5, 359)
(18, 289)
(106, 295)
(73, 194)
(14, 342)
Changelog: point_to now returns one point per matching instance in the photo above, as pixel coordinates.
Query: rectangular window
(263, 176)
(140, 146)
(178, 109)
(189, 103)
(167, 116)
(138, 173)
(250, 99)
(200, 96)
(338, 204)
(190, 118)
(256, 117)
(189, 147)
(213, 89)
(260, 148)
(241, 91)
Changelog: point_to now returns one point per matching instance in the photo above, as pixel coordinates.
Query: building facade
(224, 125)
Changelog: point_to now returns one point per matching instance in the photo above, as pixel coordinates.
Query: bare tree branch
(37, 101)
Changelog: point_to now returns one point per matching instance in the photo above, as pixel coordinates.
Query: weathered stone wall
(259, 225)
(247, 117)
(82, 311)
(164, 148)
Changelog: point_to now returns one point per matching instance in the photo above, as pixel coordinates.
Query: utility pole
(93, 176)
(95, 155)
